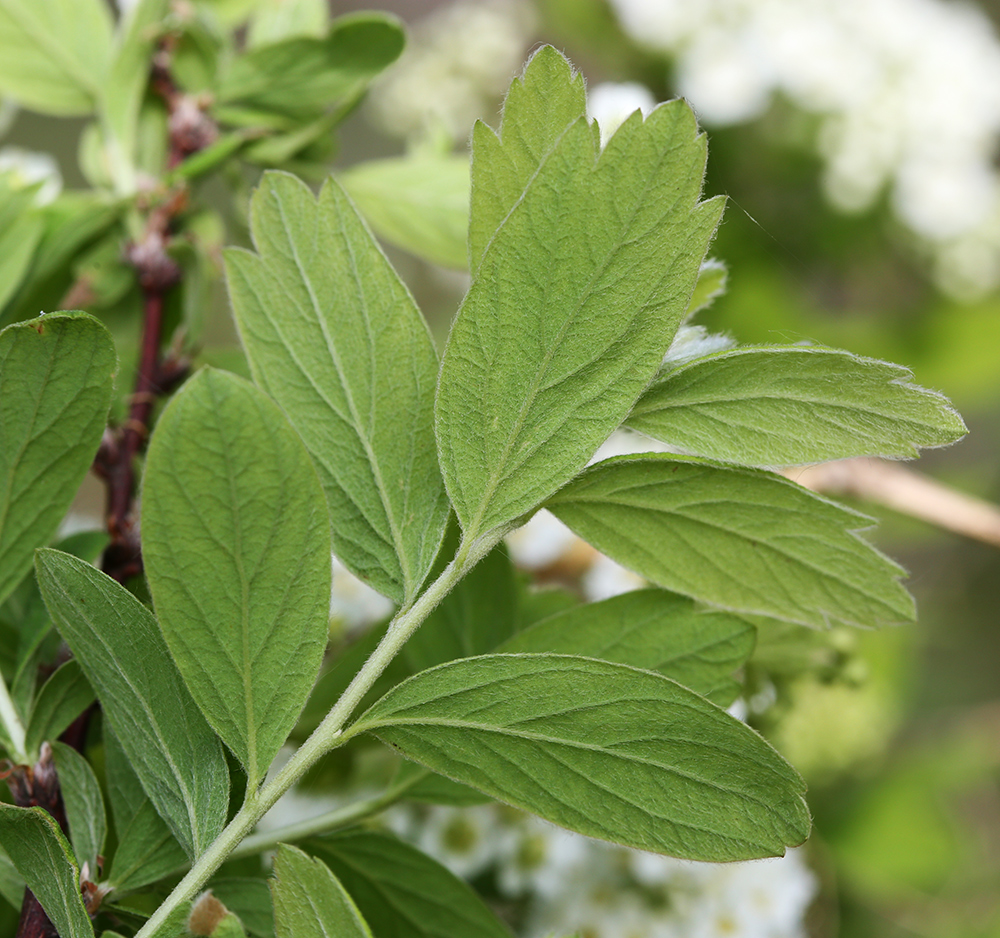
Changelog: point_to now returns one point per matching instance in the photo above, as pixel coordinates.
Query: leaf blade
(88, 823)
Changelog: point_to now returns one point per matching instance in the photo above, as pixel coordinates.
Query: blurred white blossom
(907, 92)
(610, 103)
(22, 168)
(353, 604)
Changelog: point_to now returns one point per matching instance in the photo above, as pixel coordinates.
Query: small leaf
(574, 303)
(54, 55)
(236, 542)
(172, 749)
(147, 851)
(788, 405)
(741, 539)
(333, 335)
(81, 792)
(604, 749)
(654, 630)
(403, 892)
(55, 388)
(43, 858)
(63, 697)
(309, 901)
(419, 203)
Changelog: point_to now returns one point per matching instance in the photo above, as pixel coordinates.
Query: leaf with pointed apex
(177, 757)
(81, 793)
(333, 335)
(541, 104)
(54, 55)
(741, 539)
(43, 858)
(783, 406)
(571, 311)
(419, 203)
(55, 389)
(403, 892)
(63, 697)
(604, 749)
(236, 544)
(310, 902)
(651, 629)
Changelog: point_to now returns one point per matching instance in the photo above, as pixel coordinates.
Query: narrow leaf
(309, 901)
(741, 539)
(42, 857)
(419, 203)
(559, 335)
(63, 697)
(55, 389)
(336, 339)
(403, 892)
(236, 542)
(650, 629)
(81, 793)
(789, 405)
(604, 749)
(177, 757)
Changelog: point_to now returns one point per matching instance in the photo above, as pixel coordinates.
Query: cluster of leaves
(605, 718)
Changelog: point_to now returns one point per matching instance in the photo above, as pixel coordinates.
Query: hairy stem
(326, 737)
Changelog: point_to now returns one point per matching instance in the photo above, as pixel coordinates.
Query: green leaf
(403, 892)
(711, 284)
(741, 539)
(54, 55)
(63, 697)
(541, 105)
(236, 542)
(250, 899)
(43, 858)
(432, 788)
(11, 882)
(475, 617)
(573, 305)
(274, 20)
(419, 203)
(303, 76)
(81, 793)
(336, 339)
(309, 901)
(55, 389)
(604, 749)
(788, 405)
(650, 629)
(177, 757)
(18, 241)
(147, 851)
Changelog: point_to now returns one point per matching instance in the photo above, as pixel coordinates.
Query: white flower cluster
(573, 883)
(907, 91)
(457, 63)
(22, 168)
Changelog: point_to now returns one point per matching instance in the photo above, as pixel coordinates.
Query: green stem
(327, 736)
(13, 725)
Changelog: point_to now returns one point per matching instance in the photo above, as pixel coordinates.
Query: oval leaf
(604, 749)
(81, 793)
(336, 339)
(787, 406)
(236, 541)
(177, 757)
(55, 389)
(744, 540)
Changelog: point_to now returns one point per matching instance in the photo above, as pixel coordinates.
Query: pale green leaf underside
(576, 299)
(54, 54)
(604, 749)
(177, 757)
(654, 630)
(236, 542)
(789, 405)
(310, 902)
(745, 540)
(333, 335)
(402, 892)
(55, 388)
(81, 794)
(419, 203)
(41, 855)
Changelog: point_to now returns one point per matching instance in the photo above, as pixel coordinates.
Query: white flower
(22, 168)
(353, 603)
(610, 103)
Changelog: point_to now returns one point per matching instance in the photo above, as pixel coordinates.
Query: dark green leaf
(741, 539)
(236, 543)
(81, 793)
(63, 697)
